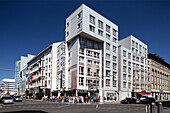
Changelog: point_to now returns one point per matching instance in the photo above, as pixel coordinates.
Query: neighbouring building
(91, 46)
(8, 85)
(20, 73)
(43, 78)
(124, 72)
(160, 77)
(140, 65)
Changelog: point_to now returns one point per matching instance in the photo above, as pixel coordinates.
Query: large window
(91, 28)
(107, 64)
(96, 55)
(114, 66)
(89, 53)
(108, 28)
(100, 24)
(114, 83)
(114, 58)
(89, 62)
(81, 70)
(81, 60)
(96, 64)
(114, 40)
(107, 56)
(92, 19)
(124, 76)
(100, 32)
(108, 46)
(108, 36)
(89, 72)
(107, 73)
(89, 43)
(124, 84)
(114, 32)
(96, 72)
(81, 81)
(107, 82)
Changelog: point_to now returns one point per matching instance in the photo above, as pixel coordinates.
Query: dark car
(148, 100)
(128, 101)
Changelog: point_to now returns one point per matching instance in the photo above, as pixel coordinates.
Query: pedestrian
(86, 99)
(94, 99)
(104, 100)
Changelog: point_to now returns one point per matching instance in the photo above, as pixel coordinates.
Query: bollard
(159, 108)
(152, 106)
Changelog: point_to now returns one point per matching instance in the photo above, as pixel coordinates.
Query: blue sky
(29, 26)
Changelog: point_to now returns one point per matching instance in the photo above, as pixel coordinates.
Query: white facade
(8, 85)
(125, 72)
(88, 30)
(43, 68)
(140, 62)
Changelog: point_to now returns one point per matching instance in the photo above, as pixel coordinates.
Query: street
(33, 106)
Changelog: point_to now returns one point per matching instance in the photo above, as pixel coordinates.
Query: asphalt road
(32, 106)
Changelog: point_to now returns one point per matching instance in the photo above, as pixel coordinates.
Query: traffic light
(21, 74)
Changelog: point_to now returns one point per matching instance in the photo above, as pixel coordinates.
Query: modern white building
(8, 85)
(140, 65)
(92, 54)
(43, 72)
(20, 73)
(124, 72)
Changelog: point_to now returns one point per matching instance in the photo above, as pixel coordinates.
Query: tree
(8, 93)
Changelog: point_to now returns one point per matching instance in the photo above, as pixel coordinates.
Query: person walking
(104, 100)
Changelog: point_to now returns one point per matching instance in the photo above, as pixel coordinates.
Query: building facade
(92, 43)
(124, 72)
(42, 72)
(20, 73)
(160, 77)
(8, 85)
(140, 65)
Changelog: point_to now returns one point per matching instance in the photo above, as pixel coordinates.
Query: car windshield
(7, 98)
(17, 96)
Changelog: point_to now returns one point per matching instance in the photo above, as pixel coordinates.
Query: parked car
(7, 100)
(128, 101)
(148, 100)
(17, 98)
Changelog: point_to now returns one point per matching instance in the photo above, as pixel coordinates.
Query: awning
(144, 94)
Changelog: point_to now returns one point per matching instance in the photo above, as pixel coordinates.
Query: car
(144, 97)
(148, 100)
(128, 101)
(17, 98)
(7, 100)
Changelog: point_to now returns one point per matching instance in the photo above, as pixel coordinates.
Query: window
(114, 66)
(89, 43)
(96, 55)
(48, 82)
(129, 64)
(133, 57)
(81, 60)
(133, 43)
(67, 33)
(124, 76)
(114, 32)
(81, 81)
(81, 70)
(129, 70)
(82, 41)
(89, 62)
(107, 64)
(81, 51)
(124, 69)
(114, 40)
(114, 83)
(129, 55)
(129, 77)
(108, 36)
(124, 62)
(91, 28)
(89, 72)
(100, 24)
(67, 25)
(124, 84)
(107, 56)
(96, 45)
(108, 28)
(124, 53)
(96, 72)
(107, 82)
(78, 25)
(114, 58)
(114, 49)
(136, 45)
(140, 47)
(89, 53)
(114, 75)
(137, 59)
(79, 15)
(108, 73)
(129, 85)
(92, 19)
(142, 60)
(100, 32)
(96, 64)
(107, 46)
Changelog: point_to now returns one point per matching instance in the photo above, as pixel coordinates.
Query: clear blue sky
(29, 26)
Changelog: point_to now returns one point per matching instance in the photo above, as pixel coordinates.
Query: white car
(17, 98)
(7, 100)
(144, 97)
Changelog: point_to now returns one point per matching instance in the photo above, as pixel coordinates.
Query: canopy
(144, 94)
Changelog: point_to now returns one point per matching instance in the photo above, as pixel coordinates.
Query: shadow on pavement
(27, 111)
